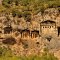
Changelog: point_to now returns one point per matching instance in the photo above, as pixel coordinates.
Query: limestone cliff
(32, 42)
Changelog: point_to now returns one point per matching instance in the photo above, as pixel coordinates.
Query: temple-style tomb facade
(48, 26)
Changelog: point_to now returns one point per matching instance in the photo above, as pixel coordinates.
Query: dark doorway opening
(25, 33)
(58, 31)
(7, 30)
(34, 34)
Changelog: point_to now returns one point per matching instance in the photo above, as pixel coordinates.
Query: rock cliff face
(1, 1)
(35, 42)
(52, 14)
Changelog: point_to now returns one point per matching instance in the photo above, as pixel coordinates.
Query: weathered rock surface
(36, 45)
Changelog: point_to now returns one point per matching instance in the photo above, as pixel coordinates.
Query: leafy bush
(27, 15)
(6, 3)
(16, 13)
(31, 6)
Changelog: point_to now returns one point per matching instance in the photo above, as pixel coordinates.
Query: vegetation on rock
(6, 54)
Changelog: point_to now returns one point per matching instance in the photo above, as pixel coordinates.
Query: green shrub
(27, 15)
(16, 13)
